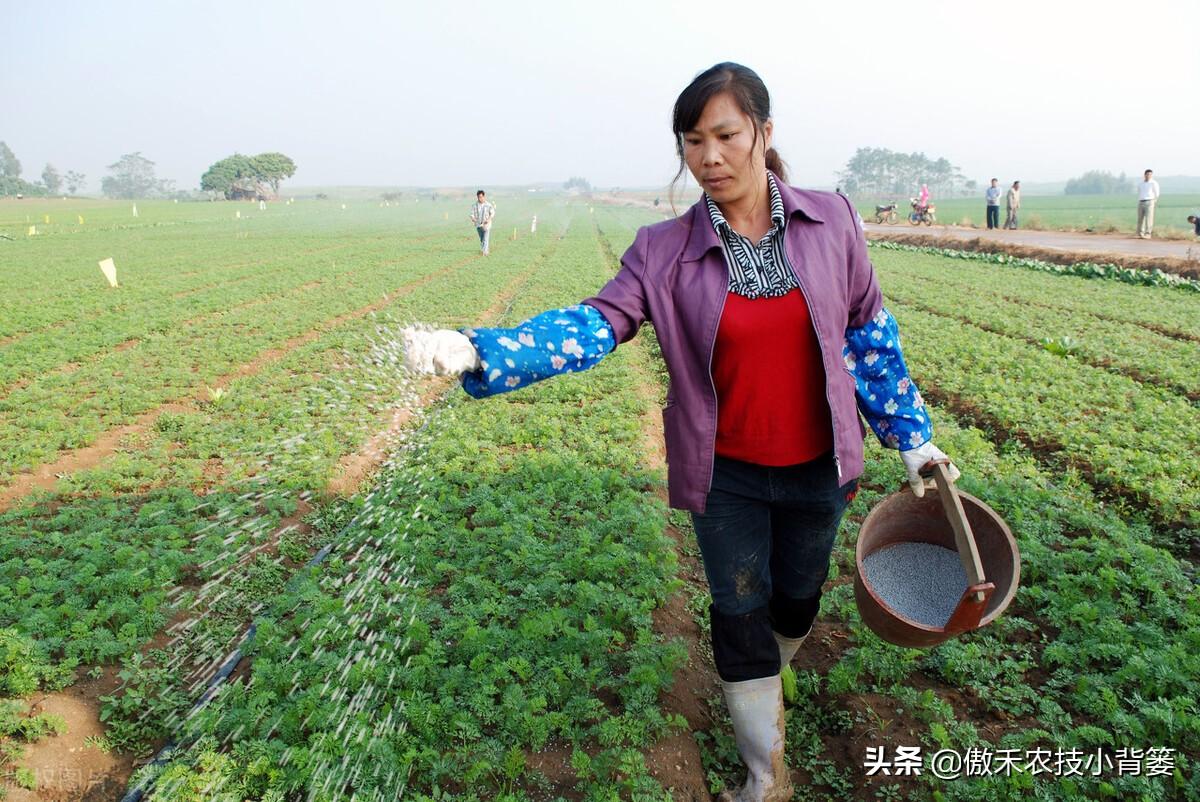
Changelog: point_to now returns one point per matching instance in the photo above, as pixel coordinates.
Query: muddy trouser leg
(765, 539)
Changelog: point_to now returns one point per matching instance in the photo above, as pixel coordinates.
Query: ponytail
(776, 165)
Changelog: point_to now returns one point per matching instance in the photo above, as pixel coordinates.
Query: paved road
(1059, 240)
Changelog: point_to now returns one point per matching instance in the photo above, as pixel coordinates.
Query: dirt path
(1070, 241)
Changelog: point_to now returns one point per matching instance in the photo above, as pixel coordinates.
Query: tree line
(52, 183)
(879, 171)
(133, 176)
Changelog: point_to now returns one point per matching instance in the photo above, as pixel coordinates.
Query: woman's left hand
(915, 458)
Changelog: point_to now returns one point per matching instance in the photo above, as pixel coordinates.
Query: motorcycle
(921, 214)
(887, 214)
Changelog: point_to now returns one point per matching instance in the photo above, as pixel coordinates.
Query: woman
(772, 327)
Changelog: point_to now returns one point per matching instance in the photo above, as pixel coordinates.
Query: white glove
(444, 352)
(914, 459)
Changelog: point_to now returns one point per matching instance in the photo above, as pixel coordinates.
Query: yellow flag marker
(80, 219)
(135, 214)
(109, 270)
(238, 214)
(514, 233)
(445, 215)
(47, 219)
(343, 206)
(33, 231)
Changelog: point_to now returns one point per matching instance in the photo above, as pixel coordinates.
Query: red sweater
(771, 406)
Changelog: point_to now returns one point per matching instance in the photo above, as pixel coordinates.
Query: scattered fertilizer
(920, 581)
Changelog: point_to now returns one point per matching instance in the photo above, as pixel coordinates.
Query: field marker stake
(109, 270)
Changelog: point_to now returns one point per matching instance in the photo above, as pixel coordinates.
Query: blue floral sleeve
(557, 341)
(887, 397)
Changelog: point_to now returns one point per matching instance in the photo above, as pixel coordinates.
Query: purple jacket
(674, 274)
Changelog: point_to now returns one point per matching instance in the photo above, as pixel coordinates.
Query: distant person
(993, 204)
(1195, 221)
(1147, 197)
(1013, 202)
(923, 198)
(482, 214)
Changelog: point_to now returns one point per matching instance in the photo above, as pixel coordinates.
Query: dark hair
(995, 179)
(1148, 170)
(479, 192)
(748, 91)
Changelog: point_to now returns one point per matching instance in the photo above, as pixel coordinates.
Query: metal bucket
(953, 520)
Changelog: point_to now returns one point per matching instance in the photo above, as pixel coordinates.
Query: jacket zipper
(812, 313)
(712, 347)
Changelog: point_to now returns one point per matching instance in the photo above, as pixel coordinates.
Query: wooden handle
(968, 552)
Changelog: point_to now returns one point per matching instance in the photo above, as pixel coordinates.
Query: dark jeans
(765, 538)
(993, 216)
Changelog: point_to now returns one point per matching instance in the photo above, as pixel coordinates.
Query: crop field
(490, 600)
(1101, 213)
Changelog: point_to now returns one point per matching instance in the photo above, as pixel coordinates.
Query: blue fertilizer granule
(921, 581)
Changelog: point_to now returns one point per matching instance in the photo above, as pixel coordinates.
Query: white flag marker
(109, 270)
(135, 214)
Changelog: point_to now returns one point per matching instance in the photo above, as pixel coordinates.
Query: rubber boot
(789, 646)
(756, 707)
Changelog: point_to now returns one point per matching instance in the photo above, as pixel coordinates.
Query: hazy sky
(491, 93)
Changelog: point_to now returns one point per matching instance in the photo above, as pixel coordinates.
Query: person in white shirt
(482, 213)
(993, 204)
(1147, 197)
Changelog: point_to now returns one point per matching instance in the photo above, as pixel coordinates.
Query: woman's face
(722, 154)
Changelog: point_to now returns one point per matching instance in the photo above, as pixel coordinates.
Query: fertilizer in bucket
(921, 581)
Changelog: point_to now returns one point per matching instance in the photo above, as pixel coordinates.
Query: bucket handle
(969, 612)
(964, 538)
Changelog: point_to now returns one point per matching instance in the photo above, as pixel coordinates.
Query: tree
(11, 182)
(879, 171)
(75, 181)
(237, 176)
(51, 179)
(578, 182)
(273, 168)
(132, 177)
(1099, 182)
(9, 166)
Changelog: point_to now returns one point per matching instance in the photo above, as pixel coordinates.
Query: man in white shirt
(482, 213)
(1147, 197)
(993, 204)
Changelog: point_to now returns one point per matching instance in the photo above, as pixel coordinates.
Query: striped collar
(778, 218)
